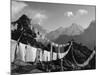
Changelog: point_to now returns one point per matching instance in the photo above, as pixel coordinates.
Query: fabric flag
(21, 52)
(13, 48)
(30, 54)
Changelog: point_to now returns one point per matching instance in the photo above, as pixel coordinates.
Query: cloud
(39, 17)
(69, 13)
(82, 12)
(17, 7)
(79, 13)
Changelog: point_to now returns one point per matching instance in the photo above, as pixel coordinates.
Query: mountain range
(76, 32)
(63, 35)
(73, 30)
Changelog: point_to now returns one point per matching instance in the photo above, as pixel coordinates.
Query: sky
(52, 15)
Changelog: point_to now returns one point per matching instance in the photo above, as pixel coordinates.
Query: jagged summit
(73, 30)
